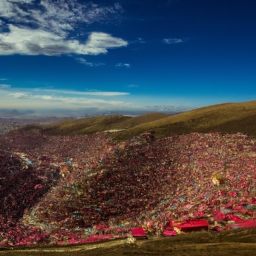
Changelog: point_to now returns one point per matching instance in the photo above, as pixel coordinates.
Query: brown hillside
(149, 117)
(85, 126)
(96, 124)
(227, 118)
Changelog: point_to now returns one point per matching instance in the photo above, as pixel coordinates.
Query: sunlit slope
(98, 124)
(134, 121)
(85, 126)
(226, 118)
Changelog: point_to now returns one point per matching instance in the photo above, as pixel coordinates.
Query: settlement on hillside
(87, 188)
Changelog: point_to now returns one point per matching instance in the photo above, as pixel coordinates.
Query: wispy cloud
(132, 85)
(139, 40)
(52, 23)
(74, 101)
(59, 16)
(5, 86)
(123, 65)
(19, 95)
(90, 64)
(173, 41)
(27, 98)
(71, 100)
(92, 93)
(3, 79)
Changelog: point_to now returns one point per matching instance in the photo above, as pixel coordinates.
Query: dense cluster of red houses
(75, 189)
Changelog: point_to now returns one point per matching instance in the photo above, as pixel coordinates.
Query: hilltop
(224, 118)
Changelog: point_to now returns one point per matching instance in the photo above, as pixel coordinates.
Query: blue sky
(151, 55)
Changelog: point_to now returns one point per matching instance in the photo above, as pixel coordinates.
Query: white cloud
(92, 93)
(99, 42)
(12, 9)
(19, 95)
(132, 85)
(48, 99)
(106, 94)
(123, 65)
(140, 40)
(4, 86)
(81, 60)
(173, 41)
(85, 102)
(58, 15)
(27, 41)
(52, 22)
(21, 1)
(90, 64)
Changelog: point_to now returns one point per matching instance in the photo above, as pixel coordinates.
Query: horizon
(83, 57)
(60, 113)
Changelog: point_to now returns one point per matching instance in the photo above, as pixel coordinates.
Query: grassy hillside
(226, 118)
(85, 126)
(96, 124)
(142, 119)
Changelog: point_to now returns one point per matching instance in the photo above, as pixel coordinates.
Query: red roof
(189, 225)
(138, 232)
(242, 224)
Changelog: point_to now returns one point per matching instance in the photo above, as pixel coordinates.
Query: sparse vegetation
(225, 118)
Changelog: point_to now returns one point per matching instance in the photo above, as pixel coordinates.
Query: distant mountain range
(15, 112)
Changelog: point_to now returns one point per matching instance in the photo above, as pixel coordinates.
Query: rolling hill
(225, 118)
